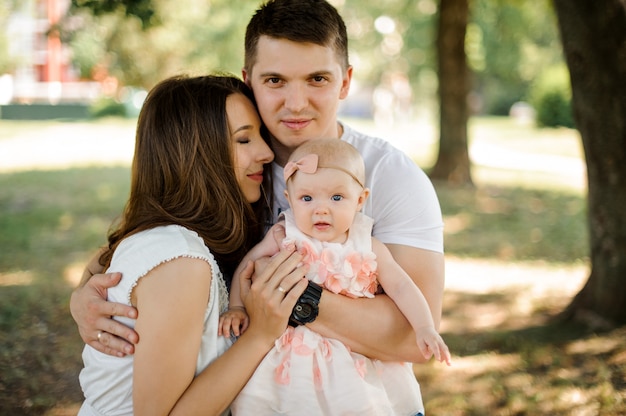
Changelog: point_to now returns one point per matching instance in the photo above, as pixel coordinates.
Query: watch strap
(310, 296)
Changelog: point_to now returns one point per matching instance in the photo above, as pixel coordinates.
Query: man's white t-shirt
(402, 200)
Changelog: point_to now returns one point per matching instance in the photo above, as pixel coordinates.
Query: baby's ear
(286, 194)
(365, 193)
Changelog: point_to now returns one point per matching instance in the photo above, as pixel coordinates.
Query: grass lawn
(516, 248)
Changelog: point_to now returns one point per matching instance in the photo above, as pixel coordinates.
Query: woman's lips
(257, 176)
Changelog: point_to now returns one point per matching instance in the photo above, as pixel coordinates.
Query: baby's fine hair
(333, 152)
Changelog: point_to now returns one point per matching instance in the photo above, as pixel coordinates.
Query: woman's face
(250, 151)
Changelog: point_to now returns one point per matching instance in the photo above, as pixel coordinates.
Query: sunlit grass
(517, 228)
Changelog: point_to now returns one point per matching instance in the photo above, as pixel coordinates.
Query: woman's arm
(172, 299)
(217, 386)
(92, 312)
(351, 320)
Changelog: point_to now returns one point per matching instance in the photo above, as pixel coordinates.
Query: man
(296, 62)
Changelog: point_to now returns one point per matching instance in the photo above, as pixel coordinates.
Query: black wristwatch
(306, 308)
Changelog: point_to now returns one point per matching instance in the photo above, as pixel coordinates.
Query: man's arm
(93, 267)
(375, 327)
(427, 270)
(92, 312)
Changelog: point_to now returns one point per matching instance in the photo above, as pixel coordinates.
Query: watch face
(303, 310)
(306, 310)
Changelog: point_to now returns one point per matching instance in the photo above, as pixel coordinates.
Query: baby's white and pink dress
(306, 373)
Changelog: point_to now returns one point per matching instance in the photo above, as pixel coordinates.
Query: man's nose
(296, 99)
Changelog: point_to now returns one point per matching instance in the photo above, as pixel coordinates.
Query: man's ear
(365, 193)
(244, 75)
(345, 83)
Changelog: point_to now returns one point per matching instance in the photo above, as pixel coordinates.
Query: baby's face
(324, 203)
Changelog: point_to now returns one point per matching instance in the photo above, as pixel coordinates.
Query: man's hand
(92, 314)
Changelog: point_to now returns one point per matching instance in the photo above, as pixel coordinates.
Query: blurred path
(63, 145)
(494, 156)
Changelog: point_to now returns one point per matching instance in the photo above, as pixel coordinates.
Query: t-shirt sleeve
(404, 203)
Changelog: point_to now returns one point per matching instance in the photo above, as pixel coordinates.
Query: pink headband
(309, 164)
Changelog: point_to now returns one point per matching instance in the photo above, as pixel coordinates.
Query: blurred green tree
(143, 41)
(6, 8)
(142, 9)
(509, 44)
(506, 43)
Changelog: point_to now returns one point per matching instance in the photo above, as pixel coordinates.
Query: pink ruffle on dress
(306, 373)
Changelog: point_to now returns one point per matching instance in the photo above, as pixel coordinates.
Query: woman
(194, 207)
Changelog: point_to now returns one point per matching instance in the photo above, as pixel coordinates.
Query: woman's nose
(265, 154)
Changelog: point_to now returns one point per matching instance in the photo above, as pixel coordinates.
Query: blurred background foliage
(162, 38)
(510, 44)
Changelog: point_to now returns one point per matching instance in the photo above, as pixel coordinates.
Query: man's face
(297, 87)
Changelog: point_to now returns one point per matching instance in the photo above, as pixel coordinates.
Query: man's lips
(296, 124)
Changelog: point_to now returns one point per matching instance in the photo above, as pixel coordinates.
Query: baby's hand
(234, 320)
(288, 244)
(431, 344)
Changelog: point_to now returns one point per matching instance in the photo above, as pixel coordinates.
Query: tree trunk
(452, 163)
(594, 41)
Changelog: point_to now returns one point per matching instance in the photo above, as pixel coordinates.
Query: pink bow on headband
(308, 164)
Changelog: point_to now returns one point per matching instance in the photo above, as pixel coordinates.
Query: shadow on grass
(39, 349)
(507, 361)
(507, 337)
(512, 362)
(514, 224)
(51, 222)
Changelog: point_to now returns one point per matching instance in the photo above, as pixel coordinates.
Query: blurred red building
(43, 71)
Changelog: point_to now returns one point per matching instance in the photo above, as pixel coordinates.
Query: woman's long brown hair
(183, 173)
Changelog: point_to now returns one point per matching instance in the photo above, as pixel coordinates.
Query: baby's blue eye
(307, 198)
(336, 197)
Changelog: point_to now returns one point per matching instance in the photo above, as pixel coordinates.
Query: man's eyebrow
(323, 72)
